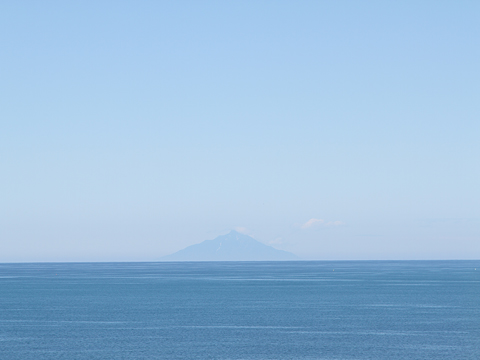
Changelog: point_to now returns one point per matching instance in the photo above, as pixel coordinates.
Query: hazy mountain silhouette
(230, 247)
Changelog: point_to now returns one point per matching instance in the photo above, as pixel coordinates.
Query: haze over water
(237, 310)
(330, 129)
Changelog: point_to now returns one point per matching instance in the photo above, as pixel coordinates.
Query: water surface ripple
(241, 310)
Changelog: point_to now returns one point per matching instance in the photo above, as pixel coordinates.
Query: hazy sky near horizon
(332, 129)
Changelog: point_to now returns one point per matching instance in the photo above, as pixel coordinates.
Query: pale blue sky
(131, 129)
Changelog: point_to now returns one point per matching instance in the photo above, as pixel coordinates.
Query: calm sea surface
(264, 310)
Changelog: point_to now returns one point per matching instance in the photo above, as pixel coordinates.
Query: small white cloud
(242, 230)
(312, 222)
(320, 222)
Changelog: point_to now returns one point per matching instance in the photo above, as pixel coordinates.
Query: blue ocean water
(260, 310)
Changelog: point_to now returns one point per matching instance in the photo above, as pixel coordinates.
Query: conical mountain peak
(233, 246)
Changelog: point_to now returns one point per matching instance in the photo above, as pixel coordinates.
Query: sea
(387, 310)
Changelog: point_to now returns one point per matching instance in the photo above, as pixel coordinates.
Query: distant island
(233, 246)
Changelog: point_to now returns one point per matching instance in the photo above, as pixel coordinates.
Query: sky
(331, 129)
